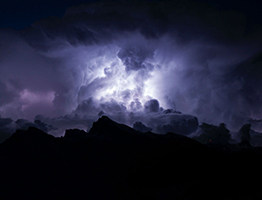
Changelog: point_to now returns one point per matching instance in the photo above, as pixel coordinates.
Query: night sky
(65, 63)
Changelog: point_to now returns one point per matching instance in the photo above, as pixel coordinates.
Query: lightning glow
(115, 82)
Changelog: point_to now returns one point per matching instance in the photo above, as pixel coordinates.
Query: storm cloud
(131, 61)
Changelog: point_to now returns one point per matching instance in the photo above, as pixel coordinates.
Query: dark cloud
(58, 126)
(247, 136)
(134, 58)
(6, 125)
(256, 138)
(103, 22)
(136, 105)
(6, 94)
(5, 121)
(112, 106)
(237, 93)
(245, 133)
(167, 111)
(176, 123)
(87, 106)
(152, 106)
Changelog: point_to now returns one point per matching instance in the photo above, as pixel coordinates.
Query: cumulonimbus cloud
(132, 61)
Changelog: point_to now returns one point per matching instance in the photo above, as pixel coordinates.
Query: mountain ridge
(114, 161)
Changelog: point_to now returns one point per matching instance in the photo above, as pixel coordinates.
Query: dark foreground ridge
(114, 161)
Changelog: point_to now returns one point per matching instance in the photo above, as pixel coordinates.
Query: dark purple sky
(64, 65)
(20, 14)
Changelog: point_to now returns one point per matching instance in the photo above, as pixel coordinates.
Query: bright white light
(116, 83)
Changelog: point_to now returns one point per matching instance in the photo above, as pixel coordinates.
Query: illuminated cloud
(130, 62)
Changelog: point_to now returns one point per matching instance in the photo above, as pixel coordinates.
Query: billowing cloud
(134, 58)
(152, 106)
(131, 61)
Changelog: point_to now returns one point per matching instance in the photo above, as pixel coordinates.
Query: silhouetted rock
(32, 134)
(114, 161)
(75, 134)
(214, 134)
(108, 128)
(4, 135)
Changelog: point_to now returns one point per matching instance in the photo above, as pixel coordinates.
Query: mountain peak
(105, 126)
(31, 134)
(105, 119)
(74, 134)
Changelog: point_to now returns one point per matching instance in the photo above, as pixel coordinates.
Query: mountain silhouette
(108, 128)
(114, 161)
